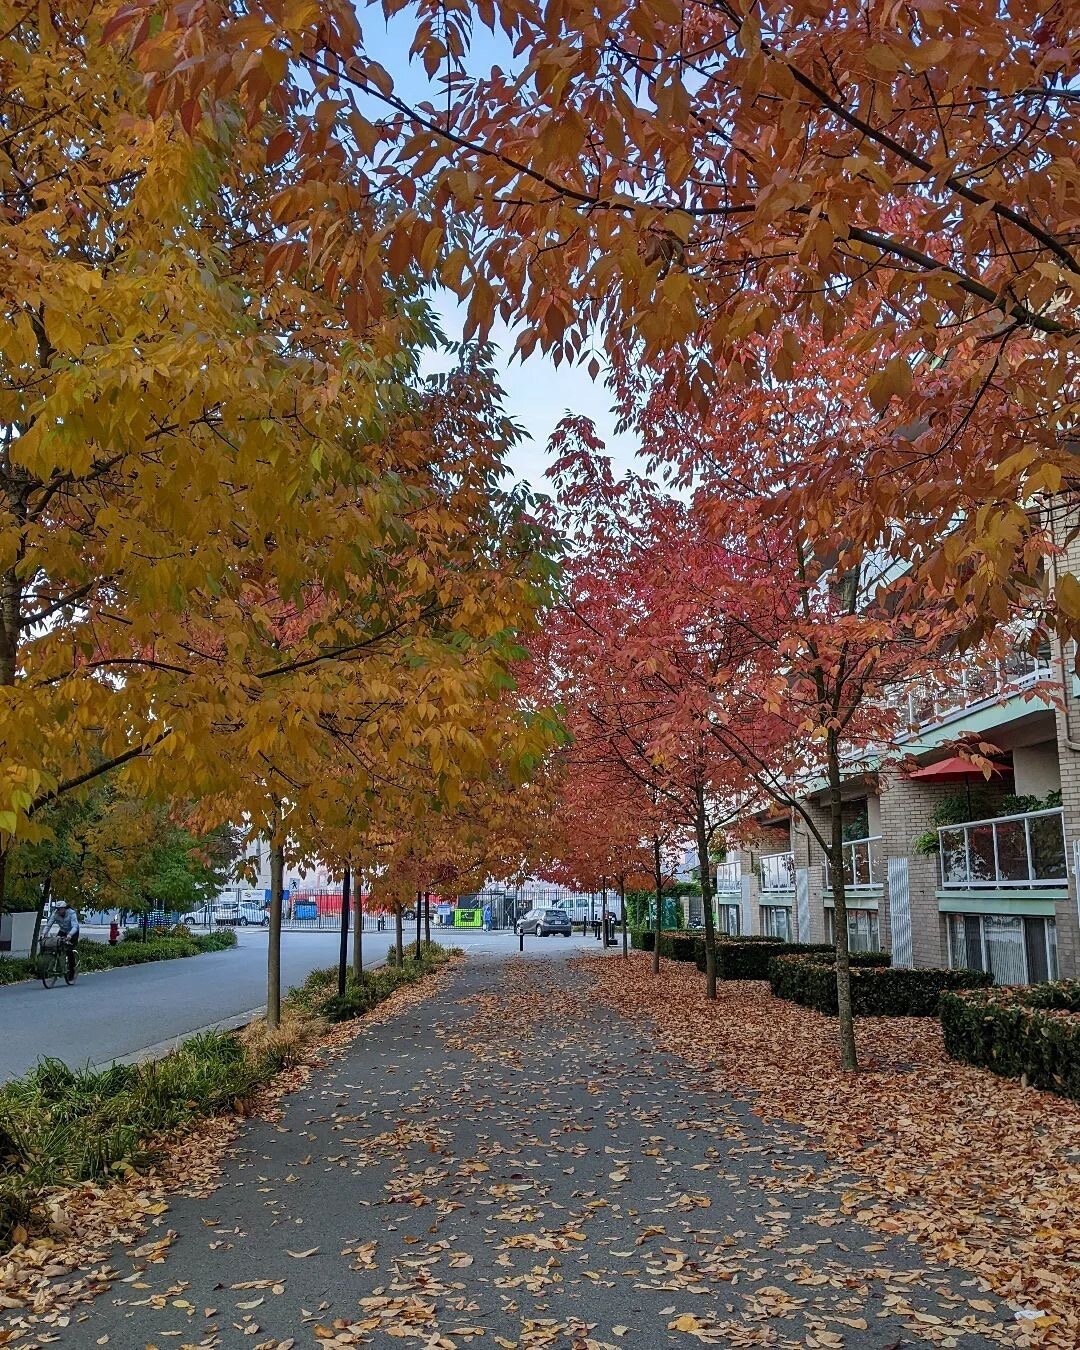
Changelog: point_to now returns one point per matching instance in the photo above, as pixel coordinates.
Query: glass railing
(777, 872)
(1023, 850)
(729, 878)
(972, 684)
(862, 864)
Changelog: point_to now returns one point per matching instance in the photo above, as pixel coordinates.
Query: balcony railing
(973, 685)
(729, 878)
(862, 864)
(778, 872)
(1023, 850)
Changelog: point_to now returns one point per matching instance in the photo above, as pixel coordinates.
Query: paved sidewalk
(511, 1165)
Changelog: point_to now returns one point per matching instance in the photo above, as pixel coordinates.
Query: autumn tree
(772, 622)
(672, 180)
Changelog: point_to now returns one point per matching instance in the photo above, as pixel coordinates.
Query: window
(776, 922)
(1015, 949)
(728, 920)
(862, 929)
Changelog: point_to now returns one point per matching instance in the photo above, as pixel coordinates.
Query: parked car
(544, 922)
(241, 913)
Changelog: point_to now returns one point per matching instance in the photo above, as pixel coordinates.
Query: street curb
(162, 1048)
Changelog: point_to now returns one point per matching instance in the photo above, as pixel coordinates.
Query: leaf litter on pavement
(983, 1172)
(523, 1170)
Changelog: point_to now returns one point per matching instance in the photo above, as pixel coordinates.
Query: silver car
(544, 922)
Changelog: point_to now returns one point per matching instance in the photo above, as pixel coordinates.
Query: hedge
(100, 956)
(877, 989)
(1031, 1032)
(747, 958)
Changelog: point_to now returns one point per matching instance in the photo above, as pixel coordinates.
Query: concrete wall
(1036, 769)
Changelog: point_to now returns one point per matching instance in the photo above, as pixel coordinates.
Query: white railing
(1022, 850)
(729, 878)
(862, 864)
(777, 871)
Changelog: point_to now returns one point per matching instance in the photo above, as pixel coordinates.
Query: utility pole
(419, 898)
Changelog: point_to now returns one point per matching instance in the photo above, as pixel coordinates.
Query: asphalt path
(510, 1164)
(114, 1014)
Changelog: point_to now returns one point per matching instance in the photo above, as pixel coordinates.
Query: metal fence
(507, 904)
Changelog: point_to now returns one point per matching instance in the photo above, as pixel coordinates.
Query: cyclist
(67, 928)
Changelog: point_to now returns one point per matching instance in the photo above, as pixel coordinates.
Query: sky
(537, 394)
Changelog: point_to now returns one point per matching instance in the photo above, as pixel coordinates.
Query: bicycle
(54, 962)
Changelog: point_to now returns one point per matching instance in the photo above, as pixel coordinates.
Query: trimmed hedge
(642, 939)
(1031, 1032)
(100, 956)
(877, 989)
(748, 958)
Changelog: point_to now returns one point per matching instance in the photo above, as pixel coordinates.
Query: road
(112, 1014)
(511, 1163)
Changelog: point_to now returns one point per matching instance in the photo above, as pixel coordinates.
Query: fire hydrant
(114, 933)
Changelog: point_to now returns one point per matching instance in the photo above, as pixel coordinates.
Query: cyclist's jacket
(67, 923)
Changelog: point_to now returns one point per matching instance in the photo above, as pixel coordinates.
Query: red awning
(955, 770)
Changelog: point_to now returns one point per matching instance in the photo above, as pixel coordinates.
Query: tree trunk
(625, 935)
(658, 923)
(343, 945)
(846, 1021)
(427, 918)
(705, 869)
(603, 918)
(399, 936)
(358, 929)
(43, 905)
(273, 947)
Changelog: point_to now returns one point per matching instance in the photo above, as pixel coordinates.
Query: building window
(776, 922)
(862, 929)
(1015, 949)
(727, 921)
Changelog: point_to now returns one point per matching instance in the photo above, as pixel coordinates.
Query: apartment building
(942, 867)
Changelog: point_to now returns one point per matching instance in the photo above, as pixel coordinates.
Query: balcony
(777, 872)
(863, 869)
(1008, 852)
(729, 879)
(973, 686)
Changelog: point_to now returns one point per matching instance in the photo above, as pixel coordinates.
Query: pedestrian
(488, 918)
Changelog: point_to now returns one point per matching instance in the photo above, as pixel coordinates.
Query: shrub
(681, 946)
(877, 990)
(16, 968)
(60, 1126)
(100, 956)
(218, 941)
(747, 958)
(1031, 1032)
